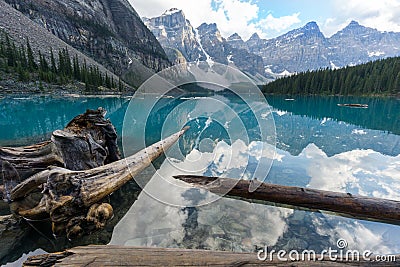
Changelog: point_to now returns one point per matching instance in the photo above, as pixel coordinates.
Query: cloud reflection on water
(229, 224)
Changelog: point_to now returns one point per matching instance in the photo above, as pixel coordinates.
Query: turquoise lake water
(318, 145)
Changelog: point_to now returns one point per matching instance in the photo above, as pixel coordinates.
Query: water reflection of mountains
(383, 113)
(164, 108)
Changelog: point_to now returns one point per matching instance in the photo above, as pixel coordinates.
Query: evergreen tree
(22, 58)
(67, 63)
(43, 65)
(31, 59)
(2, 48)
(396, 85)
(53, 62)
(61, 64)
(112, 82)
(77, 71)
(120, 85)
(10, 51)
(107, 82)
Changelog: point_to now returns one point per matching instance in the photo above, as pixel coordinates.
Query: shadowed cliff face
(174, 31)
(108, 30)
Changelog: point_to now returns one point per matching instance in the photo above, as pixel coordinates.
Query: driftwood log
(344, 204)
(73, 199)
(140, 256)
(67, 179)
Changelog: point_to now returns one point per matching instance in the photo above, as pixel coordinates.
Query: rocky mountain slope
(108, 30)
(307, 48)
(302, 49)
(174, 31)
(357, 44)
(205, 43)
(298, 50)
(20, 28)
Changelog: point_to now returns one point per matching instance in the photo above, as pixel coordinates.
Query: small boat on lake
(353, 105)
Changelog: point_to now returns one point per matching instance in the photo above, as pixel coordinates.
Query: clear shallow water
(29, 119)
(319, 145)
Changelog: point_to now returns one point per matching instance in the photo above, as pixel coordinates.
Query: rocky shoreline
(11, 87)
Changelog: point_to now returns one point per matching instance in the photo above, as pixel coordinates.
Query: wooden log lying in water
(72, 200)
(72, 196)
(346, 204)
(141, 256)
(353, 105)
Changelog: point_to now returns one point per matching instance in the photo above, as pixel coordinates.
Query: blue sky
(309, 9)
(270, 18)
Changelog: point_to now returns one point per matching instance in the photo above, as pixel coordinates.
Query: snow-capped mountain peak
(172, 11)
(302, 49)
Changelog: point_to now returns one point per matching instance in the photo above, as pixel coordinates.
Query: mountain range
(184, 43)
(299, 50)
(111, 35)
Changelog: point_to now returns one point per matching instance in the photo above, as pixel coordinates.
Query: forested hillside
(61, 68)
(108, 31)
(381, 77)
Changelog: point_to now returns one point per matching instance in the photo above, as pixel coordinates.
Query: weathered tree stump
(88, 141)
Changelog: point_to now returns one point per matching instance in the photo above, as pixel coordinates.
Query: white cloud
(359, 235)
(243, 16)
(236, 17)
(363, 172)
(231, 16)
(278, 24)
(332, 25)
(383, 15)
